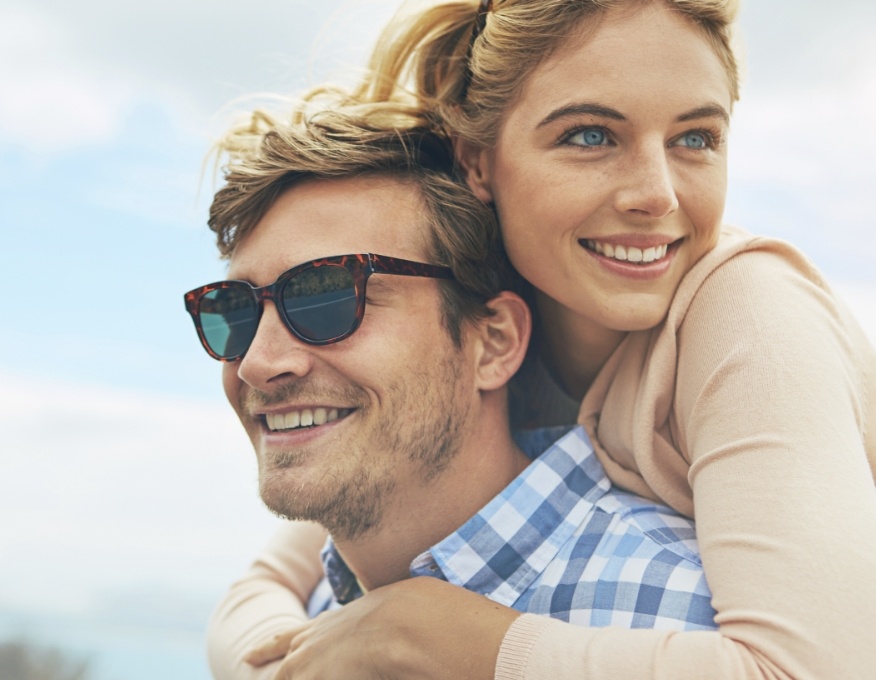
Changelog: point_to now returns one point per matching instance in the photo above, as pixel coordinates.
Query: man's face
(343, 431)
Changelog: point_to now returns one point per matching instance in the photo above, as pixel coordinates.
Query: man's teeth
(303, 418)
(629, 254)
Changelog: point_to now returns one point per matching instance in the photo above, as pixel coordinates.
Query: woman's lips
(638, 262)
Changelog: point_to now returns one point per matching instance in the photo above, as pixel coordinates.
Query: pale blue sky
(130, 489)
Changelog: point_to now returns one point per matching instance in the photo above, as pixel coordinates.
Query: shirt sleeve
(269, 599)
(771, 409)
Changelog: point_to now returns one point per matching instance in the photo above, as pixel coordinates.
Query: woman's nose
(648, 188)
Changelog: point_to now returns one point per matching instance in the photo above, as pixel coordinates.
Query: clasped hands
(417, 628)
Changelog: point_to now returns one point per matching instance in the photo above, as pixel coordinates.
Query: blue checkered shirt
(561, 541)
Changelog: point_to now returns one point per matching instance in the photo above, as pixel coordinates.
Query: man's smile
(306, 417)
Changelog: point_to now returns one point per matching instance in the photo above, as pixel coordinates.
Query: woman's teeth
(629, 253)
(303, 418)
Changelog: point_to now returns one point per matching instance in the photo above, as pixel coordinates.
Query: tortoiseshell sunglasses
(320, 302)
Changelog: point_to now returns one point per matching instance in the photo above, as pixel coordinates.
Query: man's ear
(502, 340)
(475, 164)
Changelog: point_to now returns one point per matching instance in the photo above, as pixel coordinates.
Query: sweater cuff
(517, 646)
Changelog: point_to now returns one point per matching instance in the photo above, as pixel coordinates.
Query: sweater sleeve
(269, 599)
(771, 410)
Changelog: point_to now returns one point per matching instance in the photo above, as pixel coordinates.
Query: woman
(715, 370)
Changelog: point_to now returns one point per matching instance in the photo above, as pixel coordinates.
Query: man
(374, 391)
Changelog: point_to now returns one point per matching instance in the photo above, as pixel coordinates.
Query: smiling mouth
(630, 254)
(305, 418)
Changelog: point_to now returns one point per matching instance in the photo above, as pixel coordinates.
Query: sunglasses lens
(229, 319)
(321, 302)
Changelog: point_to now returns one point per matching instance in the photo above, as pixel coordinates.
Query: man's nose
(275, 354)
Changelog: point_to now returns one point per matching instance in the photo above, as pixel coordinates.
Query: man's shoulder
(658, 526)
(630, 563)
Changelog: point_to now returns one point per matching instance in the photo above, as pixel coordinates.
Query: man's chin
(347, 511)
(283, 498)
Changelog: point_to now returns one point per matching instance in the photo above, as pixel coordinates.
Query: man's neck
(424, 513)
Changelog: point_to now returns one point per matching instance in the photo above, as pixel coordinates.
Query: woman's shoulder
(750, 274)
(758, 308)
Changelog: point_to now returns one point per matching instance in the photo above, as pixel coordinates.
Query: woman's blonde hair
(464, 82)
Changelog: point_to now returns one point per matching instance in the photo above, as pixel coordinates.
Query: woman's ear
(502, 340)
(475, 163)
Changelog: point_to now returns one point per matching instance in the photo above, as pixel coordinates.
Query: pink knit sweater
(753, 409)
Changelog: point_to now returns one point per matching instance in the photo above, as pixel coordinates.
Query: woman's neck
(572, 347)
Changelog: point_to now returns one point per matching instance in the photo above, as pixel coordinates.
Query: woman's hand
(418, 628)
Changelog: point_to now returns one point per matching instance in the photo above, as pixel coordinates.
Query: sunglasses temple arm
(381, 264)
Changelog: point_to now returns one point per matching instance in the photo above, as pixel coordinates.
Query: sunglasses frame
(360, 265)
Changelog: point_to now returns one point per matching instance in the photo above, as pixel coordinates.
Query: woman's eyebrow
(589, 109)
(707, 111)
(583, 108)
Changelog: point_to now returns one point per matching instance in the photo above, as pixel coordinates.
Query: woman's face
(610, 169)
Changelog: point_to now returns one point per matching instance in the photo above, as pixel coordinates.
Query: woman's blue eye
(589, 137)
(694, 140)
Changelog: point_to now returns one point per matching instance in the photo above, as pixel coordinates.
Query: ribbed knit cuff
(517, 646)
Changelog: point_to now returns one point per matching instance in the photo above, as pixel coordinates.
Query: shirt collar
(500, 551)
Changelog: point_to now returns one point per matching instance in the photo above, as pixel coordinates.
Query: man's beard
(422, 425)
(347, 509)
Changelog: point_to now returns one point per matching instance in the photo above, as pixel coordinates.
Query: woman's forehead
(630, 56)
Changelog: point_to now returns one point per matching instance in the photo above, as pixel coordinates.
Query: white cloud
(803, 139)
(807, 106)
(810, 137)
(861, 299)
(113, 491)
(70, 72)
(47, 100)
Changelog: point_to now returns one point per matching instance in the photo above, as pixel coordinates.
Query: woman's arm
(771, 409)
(268, 600)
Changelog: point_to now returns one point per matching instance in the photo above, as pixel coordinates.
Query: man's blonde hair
(264, 157)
